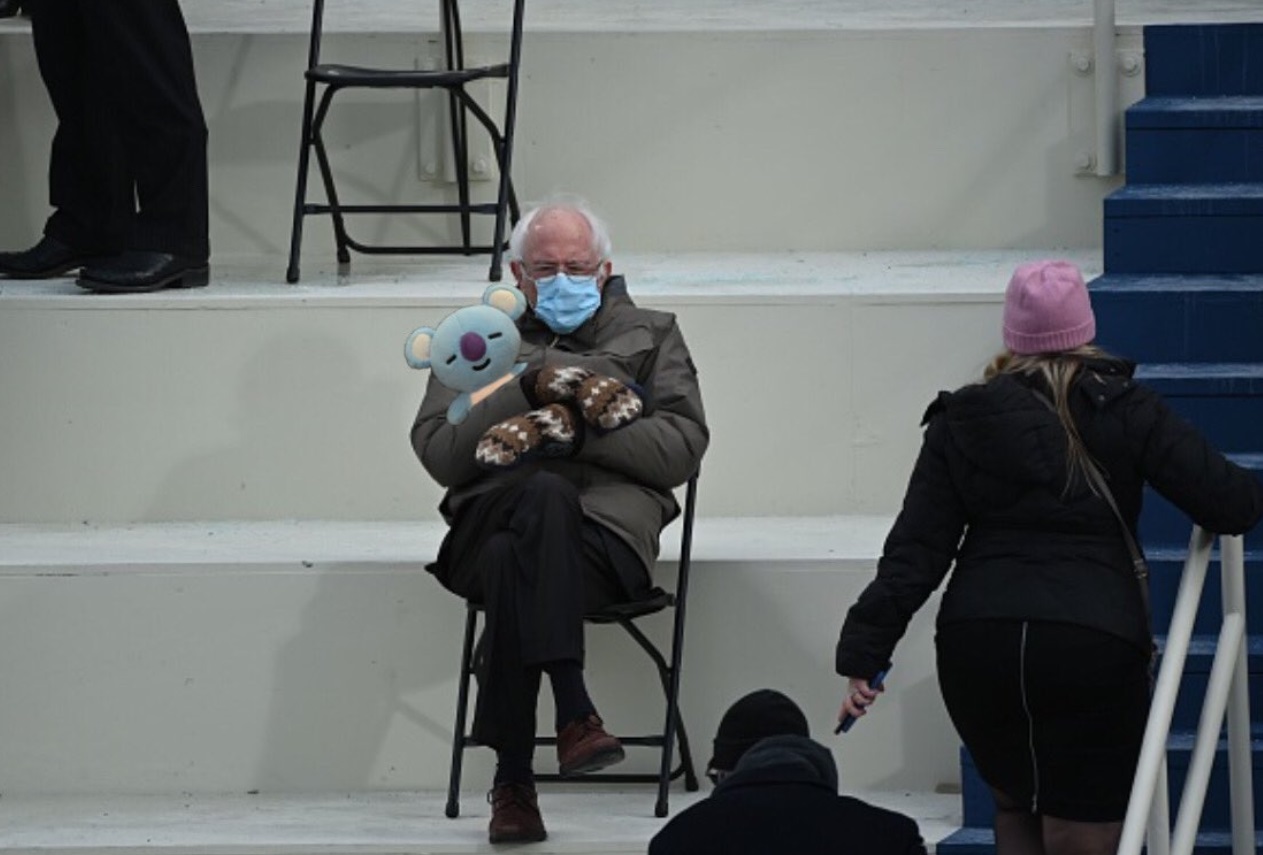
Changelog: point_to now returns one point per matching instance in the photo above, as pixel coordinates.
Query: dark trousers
(531, 558)
(128, 163)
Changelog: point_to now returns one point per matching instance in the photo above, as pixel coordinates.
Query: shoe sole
(518, 838)
(194, 277)
(51, 273)
(595, 763)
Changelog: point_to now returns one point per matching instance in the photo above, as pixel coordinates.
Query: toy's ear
(506, 298)
(417, 348)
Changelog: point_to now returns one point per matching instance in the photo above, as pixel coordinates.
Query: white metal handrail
(1227, 691)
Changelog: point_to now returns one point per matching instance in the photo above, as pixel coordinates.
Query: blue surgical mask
(564, 302)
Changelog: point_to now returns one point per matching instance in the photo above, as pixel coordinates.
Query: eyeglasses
(547, 270)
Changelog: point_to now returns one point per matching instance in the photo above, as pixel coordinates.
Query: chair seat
(382, 78)
(656, 602)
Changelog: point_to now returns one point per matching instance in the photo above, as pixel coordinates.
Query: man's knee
(497, 550)
(545, 486)
(546, 496)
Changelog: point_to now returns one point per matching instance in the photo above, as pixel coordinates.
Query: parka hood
(785, 759)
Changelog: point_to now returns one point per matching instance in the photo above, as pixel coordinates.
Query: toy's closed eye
(496, 335)
(450, 359)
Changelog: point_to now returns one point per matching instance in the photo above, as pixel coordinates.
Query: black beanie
(758, 715)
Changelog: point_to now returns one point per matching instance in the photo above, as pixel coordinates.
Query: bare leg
(1017, 830)
(1067, 837)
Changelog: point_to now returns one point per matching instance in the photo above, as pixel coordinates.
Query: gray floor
(579, 820)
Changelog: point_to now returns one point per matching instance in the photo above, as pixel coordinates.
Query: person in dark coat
(127, 171)
(1043, 639)
(555, 511)
(777, 792)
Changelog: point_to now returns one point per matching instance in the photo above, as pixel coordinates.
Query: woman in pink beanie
(1029, 485)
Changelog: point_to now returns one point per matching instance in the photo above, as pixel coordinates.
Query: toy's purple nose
(472, 346)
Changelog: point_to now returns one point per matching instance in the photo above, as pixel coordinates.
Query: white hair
(562, 202)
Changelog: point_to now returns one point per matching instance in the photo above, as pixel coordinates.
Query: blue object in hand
(847, 720)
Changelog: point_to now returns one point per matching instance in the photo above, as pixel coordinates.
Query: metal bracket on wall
(1081, 100)
(436, 161)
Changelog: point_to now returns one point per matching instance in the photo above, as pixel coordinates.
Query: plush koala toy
(472, 347)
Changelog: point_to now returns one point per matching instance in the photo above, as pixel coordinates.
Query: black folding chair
(625, 615)
(455, 78)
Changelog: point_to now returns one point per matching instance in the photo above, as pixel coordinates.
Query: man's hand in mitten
(604, 402)
(550, 431)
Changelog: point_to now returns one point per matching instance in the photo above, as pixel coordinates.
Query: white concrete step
(320, 657)
(580, 821)
(252, 399)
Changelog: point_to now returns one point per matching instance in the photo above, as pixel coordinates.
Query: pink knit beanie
(1046, 309)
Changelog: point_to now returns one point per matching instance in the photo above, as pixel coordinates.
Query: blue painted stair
(1182, 295)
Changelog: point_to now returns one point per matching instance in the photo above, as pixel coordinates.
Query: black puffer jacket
(989, 494)
(782, 799)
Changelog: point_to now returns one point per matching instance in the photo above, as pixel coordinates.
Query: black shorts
(1053, 714)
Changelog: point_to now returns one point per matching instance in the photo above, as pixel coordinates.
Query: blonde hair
(1058, 371)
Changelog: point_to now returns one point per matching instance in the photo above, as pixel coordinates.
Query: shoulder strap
(1138, 564)
(1101, 488)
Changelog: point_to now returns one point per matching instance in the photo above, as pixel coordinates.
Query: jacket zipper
(1030, 725)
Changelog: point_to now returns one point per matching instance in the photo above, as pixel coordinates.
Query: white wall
(759, 141)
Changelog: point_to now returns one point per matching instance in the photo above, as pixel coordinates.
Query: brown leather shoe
(583, 746)
(515, 815)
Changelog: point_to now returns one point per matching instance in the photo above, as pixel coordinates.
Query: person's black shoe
(48, 258)
(137, 271)
(9, 8)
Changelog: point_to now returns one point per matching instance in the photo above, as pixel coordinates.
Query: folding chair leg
(504, 151)
(300, 191)
(326, 172)
(462, 709)
(686, 755)
(502, 203)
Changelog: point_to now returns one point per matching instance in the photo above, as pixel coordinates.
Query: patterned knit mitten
(550, 431)
(604, 402)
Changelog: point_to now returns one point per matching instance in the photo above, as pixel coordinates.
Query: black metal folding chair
(625, 615)
(455, 79)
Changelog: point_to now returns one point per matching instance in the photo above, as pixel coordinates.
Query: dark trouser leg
(88, 183)
(537, 566)
(142, 55)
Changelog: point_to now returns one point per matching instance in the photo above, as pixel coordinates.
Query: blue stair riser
(979, 809)
(1224, 402)
(1192, 694)
(1179, 319)
(1216, 813)
(967, 841)
(1165, 571)
(1220, 59)
(1195, 140)
(980, 841)
(1194, 155)
(1165, 527)
(1209, 235)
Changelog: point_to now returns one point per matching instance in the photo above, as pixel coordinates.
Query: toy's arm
(479, 395)
(446, 450)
